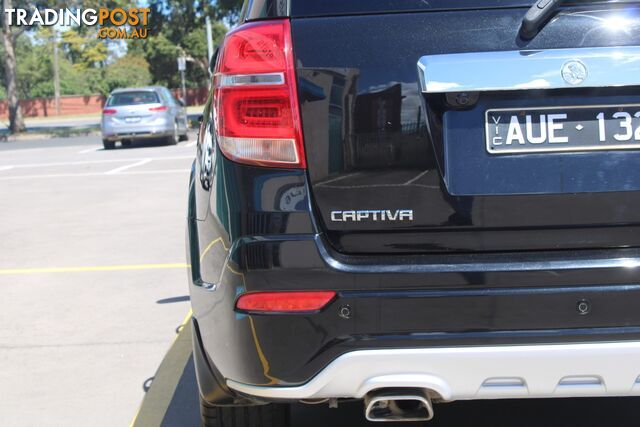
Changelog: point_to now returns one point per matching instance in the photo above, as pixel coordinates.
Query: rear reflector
(109, 111)
(255, 97)
(284, 302)
(163, 108)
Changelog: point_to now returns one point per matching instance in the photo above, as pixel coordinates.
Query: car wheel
(173, 139)
(185, 135)
(126, 143)
(108, 145)
(271, 415)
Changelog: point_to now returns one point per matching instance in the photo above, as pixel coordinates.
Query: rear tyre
(126, 143)
(271, 415)
(108, 145)
(173, 139)
(185, 135)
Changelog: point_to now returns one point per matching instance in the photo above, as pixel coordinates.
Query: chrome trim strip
(232, 80)
(488, 372)
(585, 259)
(528, 69)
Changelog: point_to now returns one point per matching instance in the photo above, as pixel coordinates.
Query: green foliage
(128, 71)
(83, 48)
(169, 39)
(90, 65)
(161, 55)
(35, 74)
(228, 9)
(73, 81)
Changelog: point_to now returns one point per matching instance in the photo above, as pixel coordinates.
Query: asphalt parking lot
(93, 292)
(92, 276)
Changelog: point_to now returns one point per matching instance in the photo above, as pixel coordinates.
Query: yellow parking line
(6, 271)
(156, 402)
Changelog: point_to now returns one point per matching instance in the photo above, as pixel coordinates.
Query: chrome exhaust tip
(398, 404)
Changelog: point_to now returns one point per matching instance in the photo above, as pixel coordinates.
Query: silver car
(143, 113)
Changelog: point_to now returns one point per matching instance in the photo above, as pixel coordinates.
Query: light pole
(182, 66)
(56, 73)
(209, 43)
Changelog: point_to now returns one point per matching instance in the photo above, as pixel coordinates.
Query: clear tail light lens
(255, 97)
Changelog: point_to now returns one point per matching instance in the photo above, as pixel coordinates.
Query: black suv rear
(415, 201)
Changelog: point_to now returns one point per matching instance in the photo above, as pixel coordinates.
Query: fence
(84, 104)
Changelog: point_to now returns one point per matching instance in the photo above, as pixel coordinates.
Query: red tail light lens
(284, 302)
(109, 111)
(256, 104)
(163, 108)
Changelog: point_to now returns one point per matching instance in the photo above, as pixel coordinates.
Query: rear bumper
(117, 133)
(257, 233)
(455, 373)
(449, 326)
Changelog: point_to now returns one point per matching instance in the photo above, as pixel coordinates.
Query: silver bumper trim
(463, 373)
(530, 69)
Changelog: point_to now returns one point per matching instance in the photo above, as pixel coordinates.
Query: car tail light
(163, 108)
(284, 302)
(256, 104)
(108, 111)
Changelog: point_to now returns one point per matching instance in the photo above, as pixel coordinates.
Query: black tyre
(185, 135)
(272, 415)
(126, 143)
(108, 145)
(173, 139)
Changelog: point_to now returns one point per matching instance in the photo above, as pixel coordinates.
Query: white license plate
(553, 129)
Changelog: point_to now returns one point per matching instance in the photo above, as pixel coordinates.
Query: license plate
(132, 119)
(553, 129)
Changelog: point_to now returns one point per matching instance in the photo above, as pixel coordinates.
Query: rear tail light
(109, 111)
(163, 108)
(284, 302)
(256, 105)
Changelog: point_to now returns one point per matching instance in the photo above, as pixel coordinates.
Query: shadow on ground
(586, 412)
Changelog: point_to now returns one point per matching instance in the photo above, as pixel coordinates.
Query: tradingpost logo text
(116, 23)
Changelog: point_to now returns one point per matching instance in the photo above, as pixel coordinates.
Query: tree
(34, 68)
(161, 55)
(83, 48)
(16, 122)
(229, 10)
(179, 29)
(128, 71)
(92, 51)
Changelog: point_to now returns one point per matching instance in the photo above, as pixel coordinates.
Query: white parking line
(89, 150)
(89, 162)
(129, 166)
(191, 144)
(5, 168)
(414, 179)
(339, 178)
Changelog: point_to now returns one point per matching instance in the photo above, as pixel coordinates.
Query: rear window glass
(338, 7)
(133, 98)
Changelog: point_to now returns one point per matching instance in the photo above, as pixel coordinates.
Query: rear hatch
(131, 110)
(400, 162)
